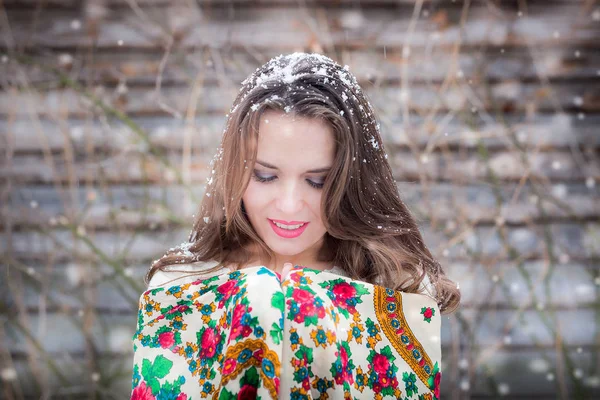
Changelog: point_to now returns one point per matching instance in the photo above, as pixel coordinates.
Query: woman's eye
(262, 178)
(266, 179)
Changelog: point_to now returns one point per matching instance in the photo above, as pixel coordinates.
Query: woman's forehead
(280, 128)
(296, 143)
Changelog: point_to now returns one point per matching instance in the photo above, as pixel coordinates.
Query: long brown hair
(371, 234)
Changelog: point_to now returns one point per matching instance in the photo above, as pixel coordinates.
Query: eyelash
(270, 179)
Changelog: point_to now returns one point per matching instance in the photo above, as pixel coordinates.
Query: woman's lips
(280, 221)
(287, 233)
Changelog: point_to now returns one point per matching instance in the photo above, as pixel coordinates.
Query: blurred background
(112, 110)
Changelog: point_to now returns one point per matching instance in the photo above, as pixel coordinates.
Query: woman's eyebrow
(312, 171)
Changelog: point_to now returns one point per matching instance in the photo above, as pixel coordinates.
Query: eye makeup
(263, 179)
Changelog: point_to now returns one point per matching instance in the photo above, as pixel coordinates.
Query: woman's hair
(371, 234)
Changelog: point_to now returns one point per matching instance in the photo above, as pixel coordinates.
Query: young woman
(305, 275)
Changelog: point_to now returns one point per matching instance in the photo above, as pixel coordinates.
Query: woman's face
(293, 156)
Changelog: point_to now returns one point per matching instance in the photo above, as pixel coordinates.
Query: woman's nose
(290, 199)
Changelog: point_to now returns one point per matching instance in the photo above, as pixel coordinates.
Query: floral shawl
(247, 334)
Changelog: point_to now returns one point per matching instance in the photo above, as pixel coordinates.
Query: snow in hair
(285, 69)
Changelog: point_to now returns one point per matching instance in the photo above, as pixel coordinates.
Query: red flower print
(166, 339)
(259, 354)
(345, 376)
(227, 289)
(246, 331)
(229, 366)
(307, 309)
(385, 381)
(306, 384)
(209, 343)
(247, 392)
(236, 322)
(344, 357)
(182, 396)
(427, 313)
(179, 308)
(276, 381)
(142, 392)
(436, 384)
(344, 291)
(380, 364)
(238, 313)
(235, 332)
(302, 296)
